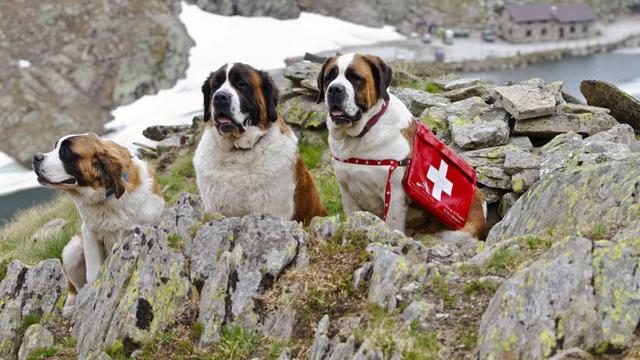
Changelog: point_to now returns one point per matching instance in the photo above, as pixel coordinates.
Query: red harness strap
(393, 165)
(374, 119)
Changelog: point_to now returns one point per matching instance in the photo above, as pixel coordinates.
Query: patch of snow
(23, 64)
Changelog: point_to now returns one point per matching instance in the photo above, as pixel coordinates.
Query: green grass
(329, 191)
(475, 286)
(237, 343)
(116, 350)
(175, 241)
(30, 319)
(468, 340)
(179, 177)
(311, 154)
(441, 287)
(16, 237)
(43, 353)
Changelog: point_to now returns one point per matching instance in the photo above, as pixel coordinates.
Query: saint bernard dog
(247, 161)
(114, 193)
(365, 121)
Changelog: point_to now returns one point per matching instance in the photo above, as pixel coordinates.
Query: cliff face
(403, 14)
(65, 64)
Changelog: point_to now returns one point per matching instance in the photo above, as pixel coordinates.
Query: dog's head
(84, 163)
(238, 97)
(352, 84)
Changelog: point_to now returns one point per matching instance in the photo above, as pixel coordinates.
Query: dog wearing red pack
(371, 135)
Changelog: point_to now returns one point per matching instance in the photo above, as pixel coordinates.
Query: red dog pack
(440, 180)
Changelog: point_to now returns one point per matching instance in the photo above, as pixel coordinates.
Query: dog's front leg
(398, 205)
(349, 204)
(93, 253)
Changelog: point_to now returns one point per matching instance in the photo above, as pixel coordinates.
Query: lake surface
(621, 68)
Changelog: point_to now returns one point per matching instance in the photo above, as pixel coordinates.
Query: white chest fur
(240, 182)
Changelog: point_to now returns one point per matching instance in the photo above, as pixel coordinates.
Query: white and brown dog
(365, 121)
(114, 193)
(247, 161)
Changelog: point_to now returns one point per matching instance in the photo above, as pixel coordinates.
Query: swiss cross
(440, 181)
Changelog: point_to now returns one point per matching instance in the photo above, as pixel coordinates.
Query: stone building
(534, 22)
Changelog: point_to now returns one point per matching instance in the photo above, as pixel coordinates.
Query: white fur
(107, 220)
(258, 180)
(51, 167)
(349, 105)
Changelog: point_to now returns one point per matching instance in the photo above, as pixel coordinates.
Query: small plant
(179, 177)
(468, 340)
(275, 350)
(31, 319)
(329, 190)
(503, 261)
(175, 241)
(196, 330)
(311, 154)
(441, 287)
(42, 353)
(477, 286)
(116, 350)
(69, 342)
(237, 343)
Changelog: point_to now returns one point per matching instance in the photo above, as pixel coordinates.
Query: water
(621, 68)
(24, 199)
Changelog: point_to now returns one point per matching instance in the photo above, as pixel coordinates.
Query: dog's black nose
(37, 159)
(221, 98)
(336, 90)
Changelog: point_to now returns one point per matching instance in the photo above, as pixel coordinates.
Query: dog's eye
(241, 83)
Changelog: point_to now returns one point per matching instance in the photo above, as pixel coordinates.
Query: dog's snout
(336, 90)
(221, 98)
(37, 160)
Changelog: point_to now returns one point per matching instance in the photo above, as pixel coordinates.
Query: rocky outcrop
(27, 295)
(83, 60)
(143, 285)
(579, 198)
(582, 293)
(624, 107)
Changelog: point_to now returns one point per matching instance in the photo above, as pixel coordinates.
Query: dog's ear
(320, 80)
(382, 75)
(206, 94)
(271, 95)
(109, 162)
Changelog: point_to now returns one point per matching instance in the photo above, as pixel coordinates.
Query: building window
(572, 29)
(585, 28)
(543, 32)
(528, 33)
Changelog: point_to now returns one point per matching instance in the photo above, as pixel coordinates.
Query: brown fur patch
(114, 161)
(306, 198)
(256, 83)
(156, 187)
(368, 95)
(409, 133)
(284, 128)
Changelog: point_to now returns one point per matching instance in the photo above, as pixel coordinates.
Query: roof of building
(534, 12)
(521, 13)
(574, 13)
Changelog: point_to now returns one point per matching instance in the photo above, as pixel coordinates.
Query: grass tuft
(42, 353)
(325, 181)
(311, 154)
(175, 241)
(178, 178)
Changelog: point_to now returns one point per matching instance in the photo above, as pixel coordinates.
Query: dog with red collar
(371, 136)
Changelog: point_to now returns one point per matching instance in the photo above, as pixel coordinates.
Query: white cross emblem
(440, 181)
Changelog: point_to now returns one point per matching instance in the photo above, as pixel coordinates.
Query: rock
(621, 134)
(522, 142)
(484, 91)
(572, 354)
(236, 260)
(472, 122)
(581, 293)
(587, 123)
(461, 83)
(280, 9)
(486, 130)
(303, 111)
(49, 229)
(36, 337)
(321, 344)
(161, 132)
(575, 199)
(140, 289)
(418, 100)
(493, 156)
(419, 310)
(390, 270)
(442, 81)
(523, 180)
(517, 161)
(526, 101)
(184, 217)
(111, 56)
(170, 144)
(302, 70)
(324, 228)
(559, 151)
(494, 177)
(28, 292)
(506, 202)
(624, 107)
(435, 118)
(491, 196)
(362, 274)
